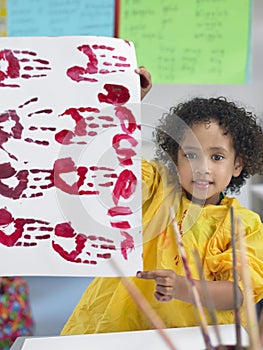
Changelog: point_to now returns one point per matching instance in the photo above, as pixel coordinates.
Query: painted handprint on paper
(79, 247)
(16, 64)
(24, 232)
(89, 122)
(32, 183)
(70, 245)
(101, 59)
(89, 180)
(12, 128)
(45, 119)
(25, 183)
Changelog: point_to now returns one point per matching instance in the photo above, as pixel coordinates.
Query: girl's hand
(146, 80)
(165, 283)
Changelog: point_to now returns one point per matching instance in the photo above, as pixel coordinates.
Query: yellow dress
(106, 305)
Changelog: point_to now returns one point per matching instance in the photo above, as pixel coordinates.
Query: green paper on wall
(192, 41)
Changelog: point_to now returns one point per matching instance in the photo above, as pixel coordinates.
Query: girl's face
(206, 162)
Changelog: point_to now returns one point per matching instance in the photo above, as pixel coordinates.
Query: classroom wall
(53, 298)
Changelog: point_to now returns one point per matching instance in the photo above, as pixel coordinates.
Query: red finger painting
(32, 183)
(101, 59)
(23, 64)
(89, 180)
(86, 249)
(88, 123)
(22, 232)
(68, 142)
(116, 94)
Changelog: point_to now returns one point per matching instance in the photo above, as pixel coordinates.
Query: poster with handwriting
(60, 17)
(70, 156)
(190, 42)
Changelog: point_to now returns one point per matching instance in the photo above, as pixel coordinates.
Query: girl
(205, 148)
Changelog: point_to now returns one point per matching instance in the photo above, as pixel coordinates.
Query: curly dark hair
(242, 125)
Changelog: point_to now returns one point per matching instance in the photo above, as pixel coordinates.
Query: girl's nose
(202, 168)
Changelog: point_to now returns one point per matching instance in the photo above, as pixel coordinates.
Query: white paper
(186, 338)
(70, 188)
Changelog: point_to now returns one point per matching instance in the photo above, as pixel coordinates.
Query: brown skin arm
(170, 285)
(260, 324)
(145, 80)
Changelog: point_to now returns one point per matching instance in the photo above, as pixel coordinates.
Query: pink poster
(70, 188)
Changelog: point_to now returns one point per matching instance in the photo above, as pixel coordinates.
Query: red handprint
(101, 60)
(116, 95)
(31, 183)
(22, 232)
(81, 248)
(26, 183)
(11, 127)
(87, 123)
(71, 246)
(85, 177)
(19, 64)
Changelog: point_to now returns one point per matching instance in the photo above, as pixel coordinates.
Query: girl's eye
(217, 157)
(191, 155)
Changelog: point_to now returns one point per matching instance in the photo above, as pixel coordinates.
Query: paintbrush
(144, 305)
(210, 304)
(197, 301)
(251, 317)
(235, 280)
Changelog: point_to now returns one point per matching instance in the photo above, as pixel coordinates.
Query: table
(187, 338)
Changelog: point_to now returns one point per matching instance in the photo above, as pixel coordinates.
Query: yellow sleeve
(219, 251)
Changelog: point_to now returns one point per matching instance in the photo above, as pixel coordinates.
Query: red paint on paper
(127, 245)
(125, 186)
(116, 94)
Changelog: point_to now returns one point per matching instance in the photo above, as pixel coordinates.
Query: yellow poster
(191, 41)
(3, 21)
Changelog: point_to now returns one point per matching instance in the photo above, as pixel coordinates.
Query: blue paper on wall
(60, 17)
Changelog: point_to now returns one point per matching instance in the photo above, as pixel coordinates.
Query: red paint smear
(34, 99)
(119, 210)
(92, 133)
(95, 168)
(80, 241)
(104, 256)
(105, 117)
(13, 67)
(121, 58)
(65, 230)
(63, 166)
(127, 244)
(106, 184)
(125, 154)
(102, 47)
(16, 130)
(88, 193)
(113, 176)
(38, 142)
(121, 224)
(125, 186)
(125, 115)
(117, 94)
(66, 136)
(6, 219)
(42, 111)
(110, 247)
(77, 73)
(7, 171)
